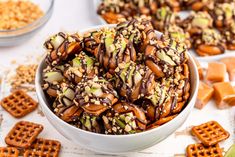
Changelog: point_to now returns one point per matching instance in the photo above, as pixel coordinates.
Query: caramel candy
(205, 93)
(216, 72)
(230, 65)
(224, 94)
(199, 68)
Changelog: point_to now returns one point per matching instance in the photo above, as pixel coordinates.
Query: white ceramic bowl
(116, 143)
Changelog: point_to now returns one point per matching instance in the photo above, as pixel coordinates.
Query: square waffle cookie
(18, 104)
(9, 152)
(198, 150)
(210, 133)
(43, 148)
(23, 134)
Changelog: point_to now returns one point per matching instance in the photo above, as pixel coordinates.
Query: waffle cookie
(9, 152)
(210, 133)
(18, 104)
(198, 150)
(23, 134)
(43, 148)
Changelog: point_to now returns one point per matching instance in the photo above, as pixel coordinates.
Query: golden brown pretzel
(70, 113)
(62, 45)
(95, 95)
(82, 65)
(159, 57)
(161, 121)
(223, 15)
(209, 43)
(164, 17)
(196, 22)
(198, 5)
(124, 118)
(134, 81)
(112, 18)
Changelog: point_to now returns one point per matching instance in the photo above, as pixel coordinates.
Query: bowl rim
(42, 99)
(47, 13)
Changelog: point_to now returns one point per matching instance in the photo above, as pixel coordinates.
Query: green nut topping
(53, 76)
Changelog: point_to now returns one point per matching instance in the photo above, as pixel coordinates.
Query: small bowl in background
(116, 144)
(20, 35)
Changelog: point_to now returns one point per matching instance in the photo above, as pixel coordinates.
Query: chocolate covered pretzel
(134, 81)
(198, 5)
(223, 14)
(209, 43)
(228, 35)
(61, 46)
(177, 33)
(164, 17)
(124, 118)
(196, 22)
(163, 55)
(95, 95)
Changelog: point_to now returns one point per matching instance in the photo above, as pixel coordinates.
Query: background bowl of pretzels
(111, 143)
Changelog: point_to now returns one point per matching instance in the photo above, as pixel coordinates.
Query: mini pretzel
(80, 66)
(43, 148)
(112, 11)
(210, 133)
(195, 23)
(166, 101)
(161, 121)
(223, 14)
(127, 118)
(62, 45)
(139, 30)
(110, 52)
(159, 59)
(198, 5)
(23, 134)
(177, 33)
(64, 106)
(198, 150)
(95, 95)
(175, 5)
(209, 43)
(112, 18)
(164, 17)
(18, 104)
(9, 152)
(134, 81)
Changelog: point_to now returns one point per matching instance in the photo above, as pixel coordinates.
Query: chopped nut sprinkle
(16, 14)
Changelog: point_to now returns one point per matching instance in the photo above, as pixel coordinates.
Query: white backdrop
(74, 15)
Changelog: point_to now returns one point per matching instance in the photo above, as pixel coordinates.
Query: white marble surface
(74, 15)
